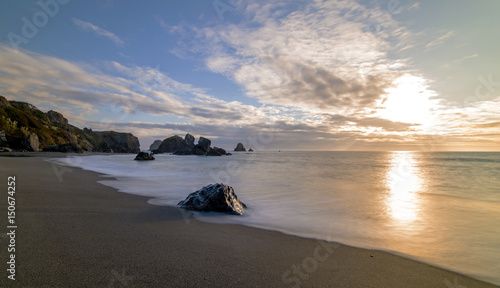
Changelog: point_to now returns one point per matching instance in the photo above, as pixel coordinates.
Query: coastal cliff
(24, 127)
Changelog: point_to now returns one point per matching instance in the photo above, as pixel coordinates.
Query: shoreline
(76, 232)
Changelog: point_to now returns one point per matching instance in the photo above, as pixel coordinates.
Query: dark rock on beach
(240, 148)
(250, 150)
(215, 197)
(144, 156)
(31, 143)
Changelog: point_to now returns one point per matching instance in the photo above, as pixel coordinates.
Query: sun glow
(403, 182)
(409, 101)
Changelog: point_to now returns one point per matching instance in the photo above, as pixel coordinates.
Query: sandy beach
(75, 232)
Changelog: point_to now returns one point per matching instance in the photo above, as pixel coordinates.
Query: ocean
(441, 208)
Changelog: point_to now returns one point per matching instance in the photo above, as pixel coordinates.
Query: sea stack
(142, 156)
(240, 148)
(155, 145)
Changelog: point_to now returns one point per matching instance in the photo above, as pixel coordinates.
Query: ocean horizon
(441, 208)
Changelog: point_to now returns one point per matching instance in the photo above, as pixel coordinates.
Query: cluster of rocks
(30, 143)
(215, 197)
(179, 146)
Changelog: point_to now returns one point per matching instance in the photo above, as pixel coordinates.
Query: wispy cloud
(414, 6)
(324, 57)
(87, 26)
(440, 40)
(466, 58)
(164, 25)
(44, 80)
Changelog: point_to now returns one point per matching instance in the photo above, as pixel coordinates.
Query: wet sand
(75, 232)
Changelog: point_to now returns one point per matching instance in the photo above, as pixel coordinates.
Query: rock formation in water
(173, 144)
(203, 146)
(112, 142)
(216, 151)
(215, 197)
(144, 156)
(155, 145)
(178, 146)
(189, 141)
(240, 148)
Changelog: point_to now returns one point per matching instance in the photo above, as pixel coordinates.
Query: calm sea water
(442, 208)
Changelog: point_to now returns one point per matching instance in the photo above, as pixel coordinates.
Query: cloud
(440, 40)
(285, 82)
(466, 58)
(41, 79)
(414, 6)
(87, 26)
(328, 56)
(48, 81)
(320, 71)
(164, 24)
(489, 125)
(356, 122)
(80, 91)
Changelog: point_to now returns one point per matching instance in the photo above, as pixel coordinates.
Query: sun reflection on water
(404, 183)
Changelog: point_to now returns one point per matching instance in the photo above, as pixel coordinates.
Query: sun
(409, 101)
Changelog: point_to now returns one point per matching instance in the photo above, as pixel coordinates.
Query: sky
(289, 75)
